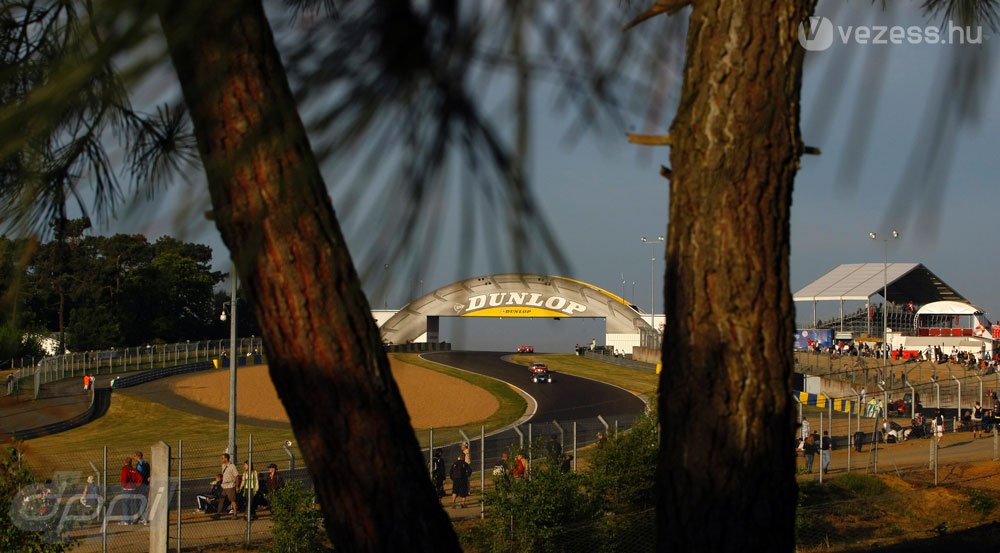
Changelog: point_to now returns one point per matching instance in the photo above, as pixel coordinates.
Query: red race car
(526, 349)
(539, 373)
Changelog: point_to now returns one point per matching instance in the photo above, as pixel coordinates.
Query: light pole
(632, 297)
(885, 297)
(232, 363)
(652, 258)
(385, 297)
(623, 285)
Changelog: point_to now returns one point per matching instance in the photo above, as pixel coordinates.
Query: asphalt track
(567, 399)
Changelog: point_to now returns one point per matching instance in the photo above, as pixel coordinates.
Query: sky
(600, 194)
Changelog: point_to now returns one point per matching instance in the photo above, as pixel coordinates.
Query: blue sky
(601, 194)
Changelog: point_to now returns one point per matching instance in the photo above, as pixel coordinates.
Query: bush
(19, 534)
(297, 522)
(623, 471)
(860, 485)
(523, 515)
(982, 503)
(604, 509)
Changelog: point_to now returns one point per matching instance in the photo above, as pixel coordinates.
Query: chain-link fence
(117, 519)
(194, 464)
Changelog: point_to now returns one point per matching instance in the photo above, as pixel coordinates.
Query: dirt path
(433, 400)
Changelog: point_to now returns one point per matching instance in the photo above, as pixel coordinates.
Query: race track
(567, 400)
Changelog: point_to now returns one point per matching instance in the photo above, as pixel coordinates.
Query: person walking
(249, 486)
(142, 466)
(130, 480)
(977, 421)
(437, 473)
(809, 449)
(274, 481)
(460, 473)
(938, 428)
(230, 476)
(826, 445)
(91, 495)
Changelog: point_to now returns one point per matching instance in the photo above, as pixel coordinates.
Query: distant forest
(99, 292)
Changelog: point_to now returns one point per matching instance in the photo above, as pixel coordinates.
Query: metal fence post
(530, 447)
(574, 446)
(562, 435)
(249, 485)
(430, 454)
(821, 447)
(520, 436)
(104, 503)
(291, 456)
(482, 472)
(180, 483)
(995, 444)
(850, 437)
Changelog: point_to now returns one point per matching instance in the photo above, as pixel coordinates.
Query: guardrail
(100, 400)
(135, 379)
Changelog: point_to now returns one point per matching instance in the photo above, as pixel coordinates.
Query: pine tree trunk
(726, 472)
(325, 353)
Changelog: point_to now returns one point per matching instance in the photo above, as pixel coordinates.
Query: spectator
(229, 483)
(209, 501)
(805, 433)
(520, 468)
(130, 480)
(566, 464)
(938, 428)
(466, 453)
(274, 481)
(554, 448)
(248, 488)
(143, 467)
(270, 484)
(437, 473)
(460, 473)
(826, 445)
(601, 439)
(91, 494)
(500, 472)
(977, 421)
(809, 449)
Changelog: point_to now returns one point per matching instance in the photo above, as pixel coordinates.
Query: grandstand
(947, 319)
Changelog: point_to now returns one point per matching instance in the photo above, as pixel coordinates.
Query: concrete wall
(646, 355)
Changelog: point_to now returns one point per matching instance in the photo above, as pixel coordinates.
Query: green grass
(512, 404)
(133, 423)
(639, 382)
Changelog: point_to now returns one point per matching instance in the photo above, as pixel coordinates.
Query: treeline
(97, 292)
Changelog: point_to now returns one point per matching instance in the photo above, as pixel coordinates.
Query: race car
(526, 349)
(539, 373)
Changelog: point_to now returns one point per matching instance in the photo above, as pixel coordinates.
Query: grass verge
(512, 404)
(638, 382)
(133, 423)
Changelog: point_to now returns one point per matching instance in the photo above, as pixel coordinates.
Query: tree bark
(726, 466)
(325, 353)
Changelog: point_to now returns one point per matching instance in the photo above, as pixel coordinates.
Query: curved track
(567, 400)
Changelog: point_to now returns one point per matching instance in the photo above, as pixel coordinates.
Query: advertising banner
(808, 338)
